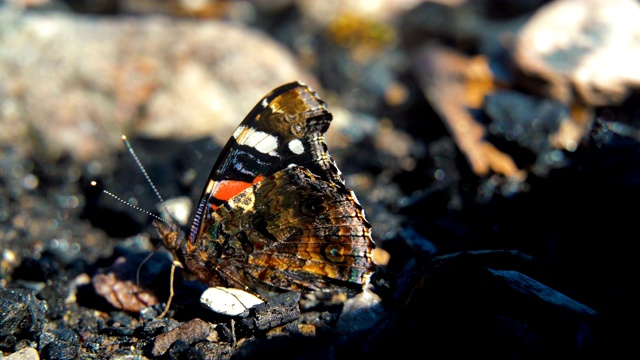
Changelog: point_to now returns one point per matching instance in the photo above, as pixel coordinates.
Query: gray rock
(585, 50)
(151, 75)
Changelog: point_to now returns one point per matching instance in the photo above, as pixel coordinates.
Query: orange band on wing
(226, 189)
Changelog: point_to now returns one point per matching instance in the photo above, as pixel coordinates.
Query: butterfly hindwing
(280, 240)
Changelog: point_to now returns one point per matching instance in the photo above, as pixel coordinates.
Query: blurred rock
(473, 26)
(581, 50)
(66, 92)
(540, 292)
(541, 127)
(236, 10)
(360, 313)
(325, 12)
(24, 354)
(453, 83)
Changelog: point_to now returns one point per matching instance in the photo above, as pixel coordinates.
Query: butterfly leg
(174, 264)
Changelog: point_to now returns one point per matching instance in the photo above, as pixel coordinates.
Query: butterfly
(275, 212)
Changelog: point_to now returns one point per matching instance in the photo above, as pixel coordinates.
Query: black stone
(23, 316)
(65, 346)
(280, 309)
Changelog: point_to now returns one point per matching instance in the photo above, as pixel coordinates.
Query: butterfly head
(171, 234)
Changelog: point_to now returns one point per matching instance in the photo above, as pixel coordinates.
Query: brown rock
(191, 332)
(585, 50)
(115, 286)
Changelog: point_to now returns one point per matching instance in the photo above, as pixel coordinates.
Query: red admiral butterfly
(275, 212)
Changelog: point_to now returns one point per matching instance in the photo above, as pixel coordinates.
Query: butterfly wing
(317, 239)
(275, 211)
(286, 127)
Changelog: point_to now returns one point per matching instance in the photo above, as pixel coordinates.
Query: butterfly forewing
(286, 127)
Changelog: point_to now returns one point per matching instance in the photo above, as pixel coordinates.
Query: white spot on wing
(267, 143)
(238, 131)
(259, 140)
(296, 146)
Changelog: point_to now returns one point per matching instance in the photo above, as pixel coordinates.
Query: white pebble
(228, 301)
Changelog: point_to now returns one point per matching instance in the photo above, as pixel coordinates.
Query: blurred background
(492, 143)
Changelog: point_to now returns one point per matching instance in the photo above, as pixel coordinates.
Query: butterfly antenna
(94, 183)
(155, 190)
(146, 176)
(142, 169)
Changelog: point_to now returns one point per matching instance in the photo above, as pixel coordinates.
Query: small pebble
(228, 301)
